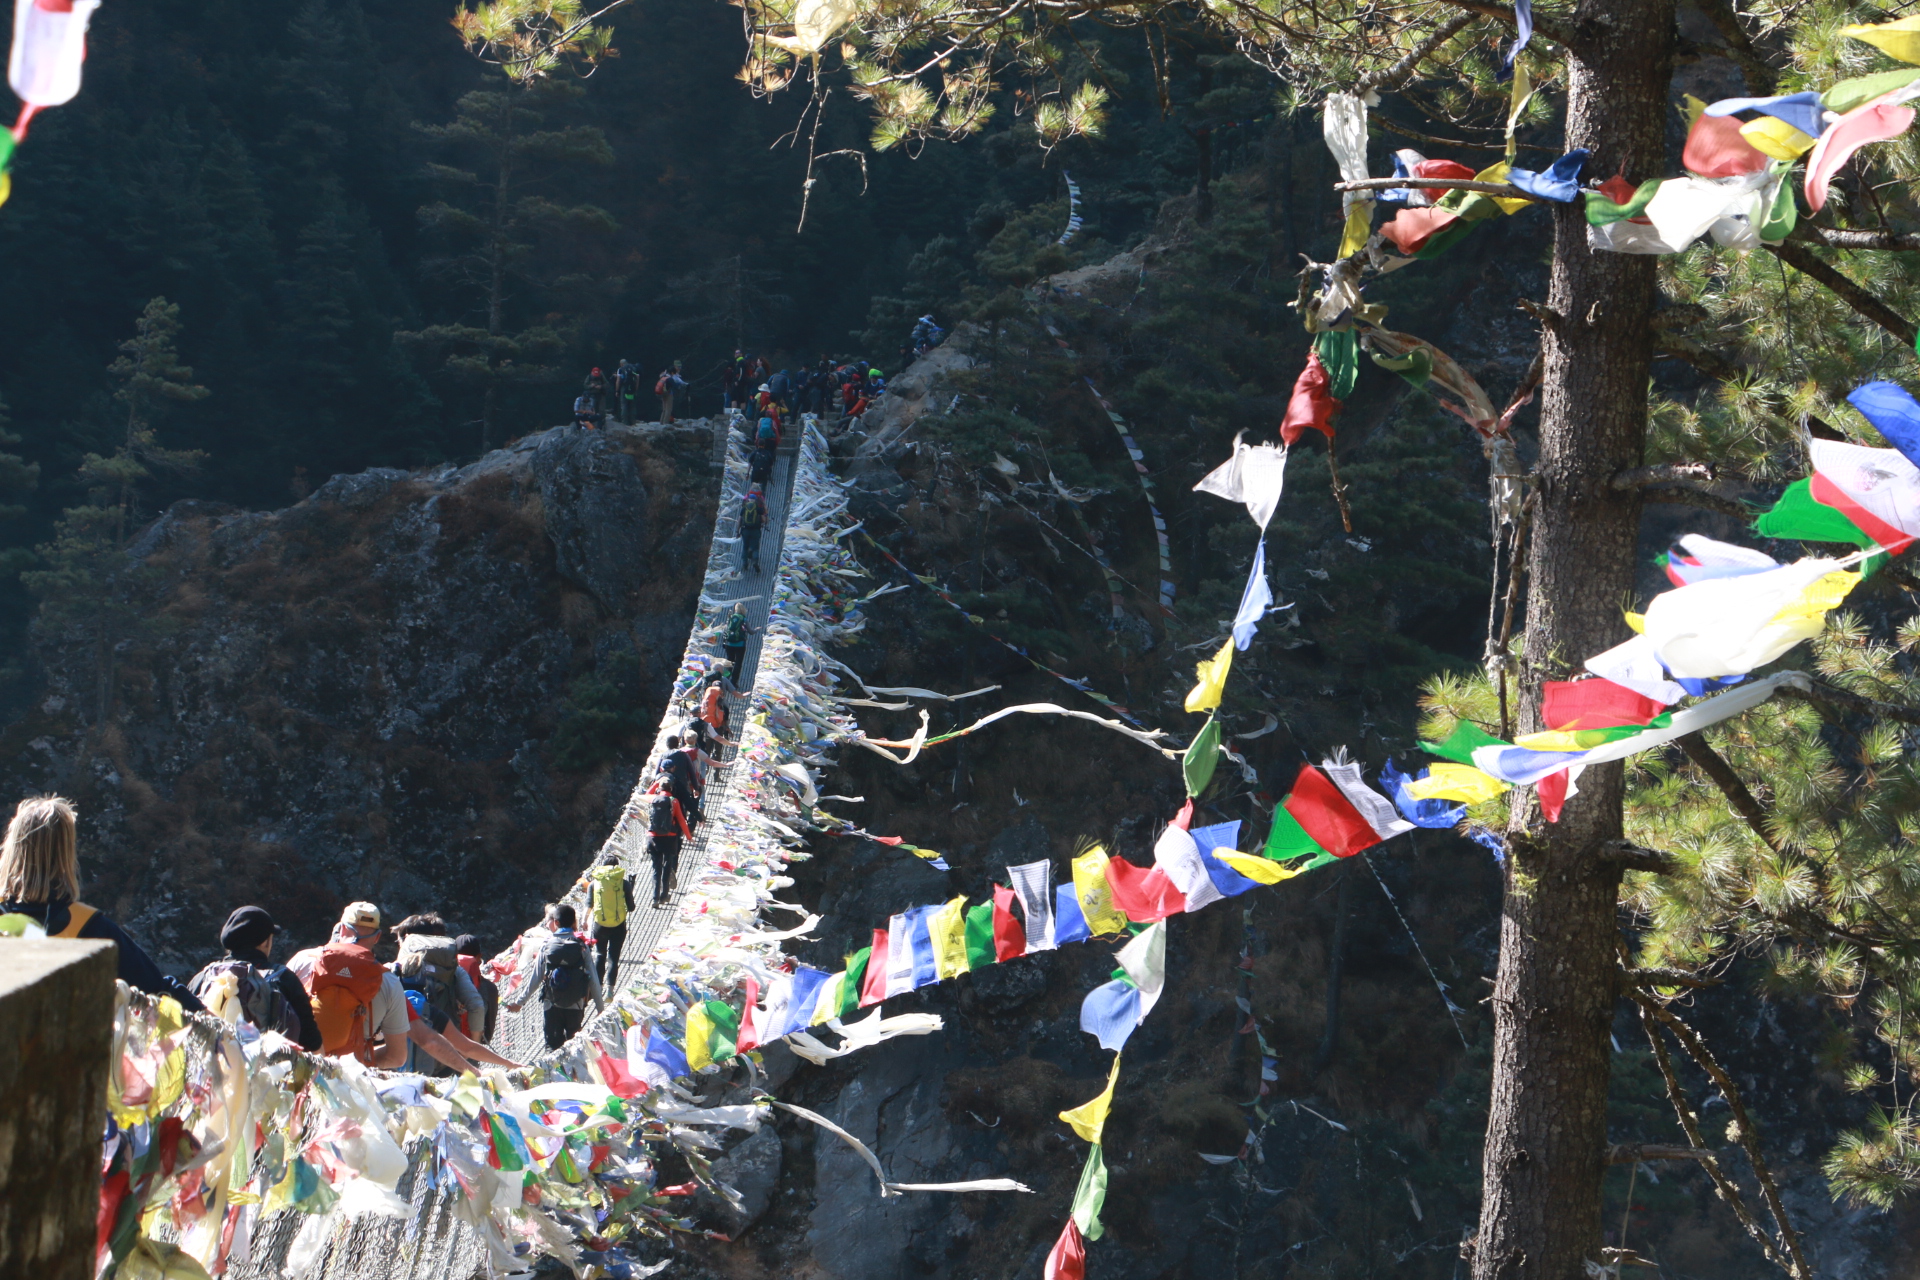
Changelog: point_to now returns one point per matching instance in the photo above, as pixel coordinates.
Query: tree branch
(1701, 752)
(1393, 75)
(1900, 241)
(1669, 978)
(1693, 495)
(1869, 307)
(1826, 693)
(1635, 858)
(1635, 1152)
(1504, 13)
(1707, 361)
(1661, 473)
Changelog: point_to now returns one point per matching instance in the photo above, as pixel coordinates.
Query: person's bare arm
(474, 1049)
(389, 1054)
(438, 1048)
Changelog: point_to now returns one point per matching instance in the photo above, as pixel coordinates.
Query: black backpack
(259, 996)
(660, 817)
(566, 984)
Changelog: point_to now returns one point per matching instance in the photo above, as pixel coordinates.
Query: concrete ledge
(56, 1034)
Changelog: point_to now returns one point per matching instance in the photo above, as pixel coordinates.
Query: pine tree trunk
(1554, 995)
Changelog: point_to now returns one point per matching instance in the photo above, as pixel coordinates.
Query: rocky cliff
(426, 689)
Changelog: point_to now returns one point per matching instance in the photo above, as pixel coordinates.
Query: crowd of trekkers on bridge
(415, 995)
(833, 390)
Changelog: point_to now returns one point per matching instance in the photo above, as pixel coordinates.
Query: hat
(247, 928)
(361, 915)
(763, 386)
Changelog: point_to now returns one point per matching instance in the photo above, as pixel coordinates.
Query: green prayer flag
(726, 1029)
(1091, 1195)
(1781, 215)
(1287, 838)
(1202, 757)
(1460, 743)
(1602, 211)
(980, 950)
(1339, 351)
(1857, 92)
(855, 977)
(1446, 239)
(1416, 366)
(1798, 517)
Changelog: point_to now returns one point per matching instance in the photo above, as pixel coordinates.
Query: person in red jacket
(666, 828)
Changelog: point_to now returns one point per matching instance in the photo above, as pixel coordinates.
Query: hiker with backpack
(734, 640)
(358, 1004)
(563, 978)
(733, 380)
(666, 829)
(468, 953)
(753, 523)
(40, 879)
(626, 389)
(586, 412)
(676, 772)
(245, 986)
(713, 708)
(609, 902)
(760, 463)
(429, 962)
(667, 386)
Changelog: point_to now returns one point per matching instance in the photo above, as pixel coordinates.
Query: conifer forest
(1070, 640)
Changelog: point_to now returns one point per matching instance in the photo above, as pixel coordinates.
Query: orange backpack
(343, 984)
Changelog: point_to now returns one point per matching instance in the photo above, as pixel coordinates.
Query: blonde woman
(40, 879)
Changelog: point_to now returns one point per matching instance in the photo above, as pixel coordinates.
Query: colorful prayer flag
(1089, 1119)
(1212, 686)
(1095, 894)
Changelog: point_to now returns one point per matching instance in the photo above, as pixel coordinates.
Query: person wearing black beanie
(257, 991)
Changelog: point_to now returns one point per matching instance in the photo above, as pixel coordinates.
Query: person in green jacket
(610, 901)
(734, 642)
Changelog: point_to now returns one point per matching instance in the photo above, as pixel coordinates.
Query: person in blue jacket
(40, 879)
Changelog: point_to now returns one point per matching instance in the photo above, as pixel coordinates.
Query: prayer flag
(1145, 961)
(1876, 489)
(1254, 599)
(1222, 837)
(1460, 744)
(49, 48)
(664, 1054)
(1798, 516)
(1893, 414)
(1339, 351)
(1559, 181)
(1009, 939)
(1253, 476)
(1264, 870)
(1202, 755)
(1327, 817)
(1068, 1259)
(1069, 925)
(1777, 139)
(853, 982)
(1421, 812)
(1632, 665)
(1095, 895)
(748, 1038)
(1553, 791)
(948, 928)
(1089, 1119)
(873, 987)
(1144, 893)
(1110, 1012)
(980, 952)
(899, 955)
(1715, 149)
(1694, 558)
(1177, 856)
(699, 1036)
(1801, 111)
(1897, 39)
(922, 937)
(1312, 404)
(1375, 808)
(1090, 1197)
(1212, 673)
(1729, 626)
(1876, 121)
(1033, 894)
(1460, 782)
(1593, 704)
(1843, 96)
(1411, 230)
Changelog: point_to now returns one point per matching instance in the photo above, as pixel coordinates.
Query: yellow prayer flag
(827, 1003)
(948, 927)
(1692, 108)
(1500, 173)
(1460, 782)
(1820, 598)
(1213, 679)
(699, 1036)
(1089, 1119)
(1516, 103)
(1359, 227)
(1260, 870)
(1899, 39)
(1095, 894)
(1637, 621)
(1772, 136)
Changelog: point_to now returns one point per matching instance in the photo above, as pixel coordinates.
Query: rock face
(752, 1169)
(366, 695)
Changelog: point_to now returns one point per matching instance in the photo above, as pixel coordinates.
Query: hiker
(733, 380)
(586, 412)
(713, 707)
(40, 879)
(562, 978)
(734, 642)
(676, 771)
(610, 900)
(359, 1005)
(467, 952)
(429, 962)
(595, 385)
(926, 335)
(246, 986)
(753, 523)
(667, 386)
(760, 463)
(766, 434)
(626, 389)
(666, 828)
(780, 387)
(758, 370)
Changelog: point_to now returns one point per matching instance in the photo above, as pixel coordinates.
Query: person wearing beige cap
(387, 1020)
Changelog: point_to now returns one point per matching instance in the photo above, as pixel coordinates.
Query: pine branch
(1748, 1137)
(1635, 1152)
(1701, 752)
(1662, 977)
(1709, 362)
(1636, 858)
(1898, 241)
(1393, 75)
(1504, 13)
(1662, 473)
(1809, 264)
(1692, 495)
(1816, 692)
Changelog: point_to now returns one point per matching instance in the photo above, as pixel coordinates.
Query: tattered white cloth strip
(895, 1188)
(1151, 737)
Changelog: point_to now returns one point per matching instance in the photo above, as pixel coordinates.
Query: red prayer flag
(1184, 818)
(1552, 791)
(748, 1037)
(1328, 818)
(1442, 169)
(874, 989)
(1009, 936)
(1068, 1261)
(1144, 894)
(1594, 704)
(1715, 149)
(1312, 404)
(1410, 229)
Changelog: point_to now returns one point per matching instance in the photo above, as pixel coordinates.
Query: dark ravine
(361, 696)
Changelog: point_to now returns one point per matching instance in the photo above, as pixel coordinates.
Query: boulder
(595, 507)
